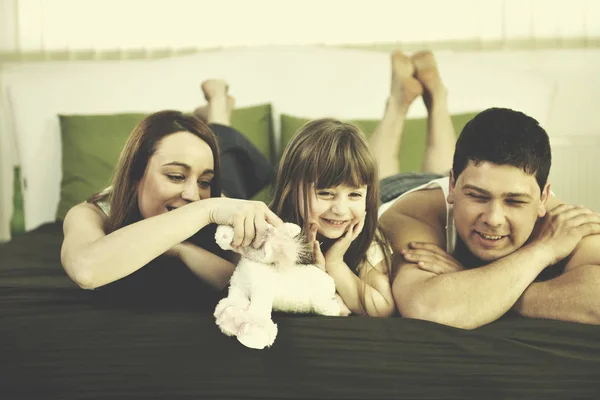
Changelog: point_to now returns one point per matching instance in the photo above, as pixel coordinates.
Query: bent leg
(385, 140)
(245, 171)
(441, 138)
(220, 103)
(393, 186)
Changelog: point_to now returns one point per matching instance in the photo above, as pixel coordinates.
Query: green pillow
(412, 147)
(256, 123)
(91, 145)
(17, 219)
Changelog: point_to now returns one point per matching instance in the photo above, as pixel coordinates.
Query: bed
(61, 342)
(152, 334)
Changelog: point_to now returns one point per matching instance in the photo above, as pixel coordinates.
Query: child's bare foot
(220, 104)
(405, 88)
(428, 74)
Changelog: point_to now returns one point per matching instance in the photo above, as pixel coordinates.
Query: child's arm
(369, 293)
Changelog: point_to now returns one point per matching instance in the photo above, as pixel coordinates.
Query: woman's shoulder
(85, 212)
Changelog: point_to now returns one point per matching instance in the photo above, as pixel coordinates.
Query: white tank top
(444, 184)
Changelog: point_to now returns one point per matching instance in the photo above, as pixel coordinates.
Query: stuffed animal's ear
(292, 229)
(224, 237)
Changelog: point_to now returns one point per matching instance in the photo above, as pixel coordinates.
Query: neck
(464, 256)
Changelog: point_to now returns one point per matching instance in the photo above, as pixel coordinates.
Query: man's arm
(573, 296)
(466, 298)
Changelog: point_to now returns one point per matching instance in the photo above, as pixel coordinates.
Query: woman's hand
(249, 219)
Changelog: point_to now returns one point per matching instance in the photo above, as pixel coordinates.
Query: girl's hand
(249, 219)
(336, 252)
(317, 253)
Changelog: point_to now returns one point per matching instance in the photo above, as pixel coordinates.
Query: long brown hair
(328, 153)
(133, 161)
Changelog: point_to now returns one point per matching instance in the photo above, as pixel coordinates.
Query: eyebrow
(188, 167)
(487, 193)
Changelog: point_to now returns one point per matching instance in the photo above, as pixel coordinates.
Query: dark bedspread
(60, 342)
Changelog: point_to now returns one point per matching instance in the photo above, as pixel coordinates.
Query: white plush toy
(272, 278)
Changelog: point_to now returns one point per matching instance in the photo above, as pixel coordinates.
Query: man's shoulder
(428, 206)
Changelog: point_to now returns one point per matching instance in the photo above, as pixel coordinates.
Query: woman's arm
(92, 258)
(207, 266)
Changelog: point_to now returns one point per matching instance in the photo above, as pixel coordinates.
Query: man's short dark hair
(504, 137)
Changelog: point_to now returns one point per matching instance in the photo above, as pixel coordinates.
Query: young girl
(327, 183)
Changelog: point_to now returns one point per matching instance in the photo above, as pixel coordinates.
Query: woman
(166, 188)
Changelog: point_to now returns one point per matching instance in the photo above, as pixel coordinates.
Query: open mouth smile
(491, 237)
(334, 222)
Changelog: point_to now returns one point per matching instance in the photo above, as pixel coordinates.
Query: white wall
(141, 27)
(67, 25)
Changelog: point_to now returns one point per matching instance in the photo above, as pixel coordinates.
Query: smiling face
(495, 208)
(335, 209)
(179, 172)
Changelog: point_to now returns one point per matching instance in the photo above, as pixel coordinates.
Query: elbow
(418, 308)
(84, 280)
(383, 311)
(594, 316)
(81, 274)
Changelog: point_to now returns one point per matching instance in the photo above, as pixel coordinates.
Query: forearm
(574, 296)
(207, 266)
(127, 249)
(361, 296)
(472, 298)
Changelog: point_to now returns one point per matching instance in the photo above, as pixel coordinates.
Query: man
(492, 237)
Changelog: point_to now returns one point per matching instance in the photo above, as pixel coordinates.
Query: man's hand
(562, 229)
(431, 258)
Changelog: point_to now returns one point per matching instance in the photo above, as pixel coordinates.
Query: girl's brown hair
(140, 146)
(328, 153)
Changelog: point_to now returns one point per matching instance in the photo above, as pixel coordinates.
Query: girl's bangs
(345, 167)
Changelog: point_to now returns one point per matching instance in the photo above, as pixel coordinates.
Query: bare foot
(202, 113)
(405, 88)
(428, 74)
(220, 104)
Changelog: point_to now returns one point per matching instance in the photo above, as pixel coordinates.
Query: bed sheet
(150, 337)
